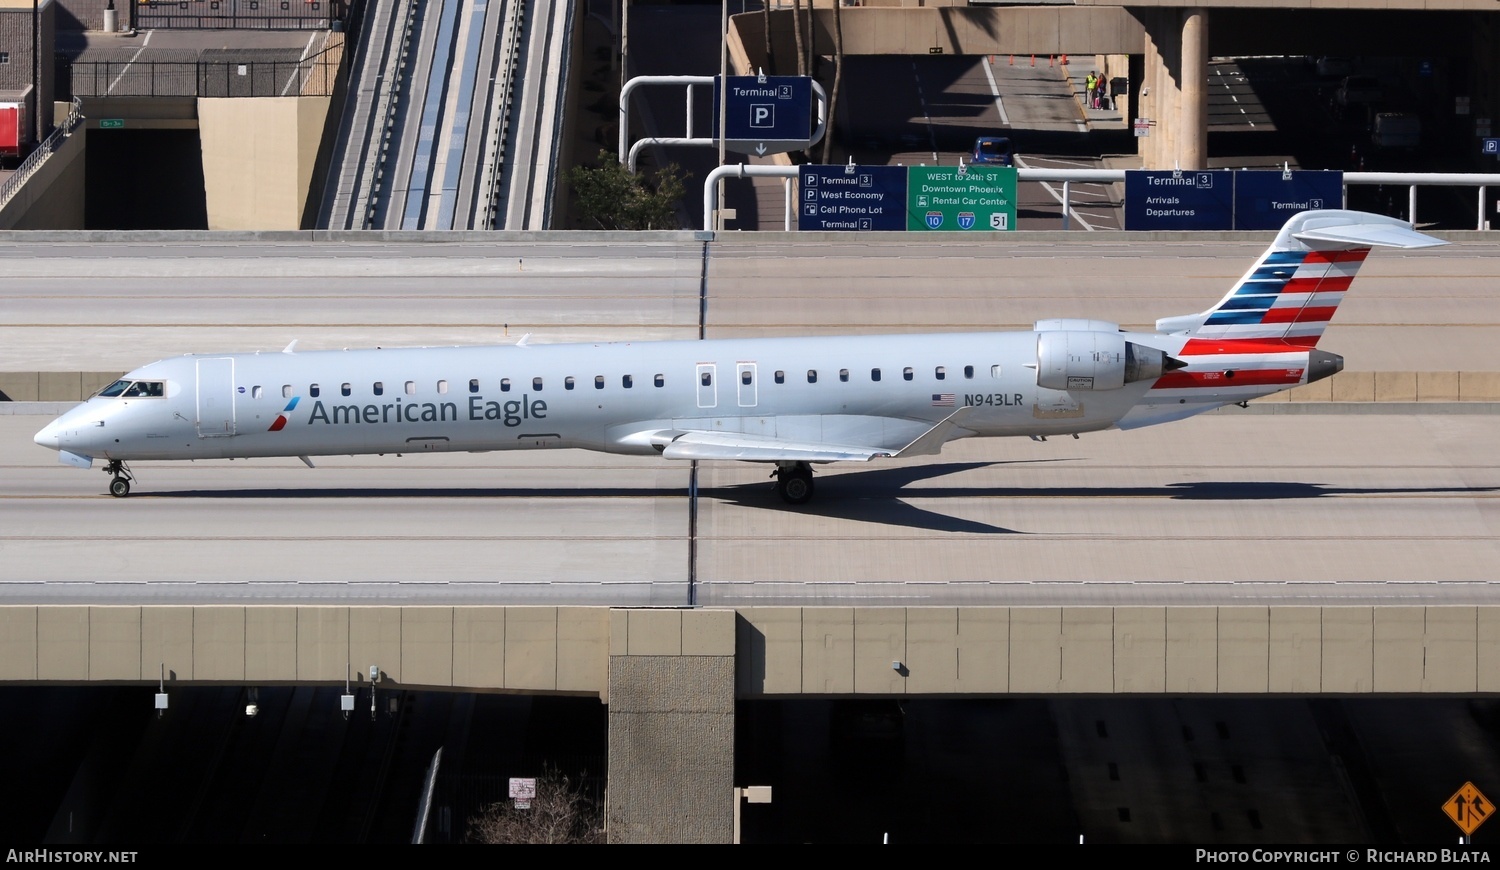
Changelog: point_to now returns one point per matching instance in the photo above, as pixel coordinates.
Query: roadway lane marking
(128, 63)
(1058, 196)
(995, 89)
(292, 79)
(926, 115)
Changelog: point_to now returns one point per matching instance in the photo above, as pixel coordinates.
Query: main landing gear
(794, 482)
(119, 486)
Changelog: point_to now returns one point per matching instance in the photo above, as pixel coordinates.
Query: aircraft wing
(700, 444)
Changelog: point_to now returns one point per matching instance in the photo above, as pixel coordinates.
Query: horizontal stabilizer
(1361, 234)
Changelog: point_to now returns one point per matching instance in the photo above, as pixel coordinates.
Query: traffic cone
(1033, 60)
(1064, 61)
(1012, 60)
(1050, 59)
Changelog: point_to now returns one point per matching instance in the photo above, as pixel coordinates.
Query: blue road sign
(765, 114)
(1265, 198)
(1186, 200)
(851, 198)
(1491, 146)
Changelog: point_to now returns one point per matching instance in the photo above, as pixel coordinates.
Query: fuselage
(881, 390)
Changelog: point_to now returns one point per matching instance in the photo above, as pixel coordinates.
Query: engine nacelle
(1075, 324)
(1090, 360)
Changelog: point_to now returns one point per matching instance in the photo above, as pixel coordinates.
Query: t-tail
(1292, 291)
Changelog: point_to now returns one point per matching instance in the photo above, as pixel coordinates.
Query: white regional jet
(790, 402)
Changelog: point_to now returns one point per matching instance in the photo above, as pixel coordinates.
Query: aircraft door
(744, 376)
(708, 391)
(215, 398)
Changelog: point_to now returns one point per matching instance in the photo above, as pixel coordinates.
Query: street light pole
(36, 96)
(723, 100)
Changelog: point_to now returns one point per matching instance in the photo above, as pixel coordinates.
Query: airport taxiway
(1234, 507)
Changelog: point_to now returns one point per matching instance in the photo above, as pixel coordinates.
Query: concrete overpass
(672, 677)
(1163, 47)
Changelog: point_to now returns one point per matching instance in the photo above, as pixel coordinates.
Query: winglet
(307, 462)
(524, 340)
(930, 443)
(291, 348)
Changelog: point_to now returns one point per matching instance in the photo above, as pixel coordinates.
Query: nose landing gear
(794, 482)
(119, 485)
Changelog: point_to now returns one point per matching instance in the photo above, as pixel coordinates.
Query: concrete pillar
(1150, 97)
(1176, 71)
(671, 727)
(1170, 122)
(1192, 134)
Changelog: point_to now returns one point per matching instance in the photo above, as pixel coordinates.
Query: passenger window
(598, 382)
(568, 382)
(707, 379)
(627, 381)
(844, 375)
(379, 388)
(536, 384)
(940, 372)
(968, 371)
(442, 387)
(874, 374)
(745, 377)
(812, 376)
(411, 388)
(780, 376)
(660, 380)
(504, 385)
(312, 390)
(345, 390)
(256, 392)
(286, 391)
(474, 385)
(906, 373)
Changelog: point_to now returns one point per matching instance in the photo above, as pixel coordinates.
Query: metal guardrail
(35, 159)
(239, 14)
(314, 76)
(506, 65)
(1411, 180)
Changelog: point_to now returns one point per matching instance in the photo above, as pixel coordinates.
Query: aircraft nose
(48, 437)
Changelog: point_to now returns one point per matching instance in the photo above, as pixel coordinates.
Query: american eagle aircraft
(787, 402)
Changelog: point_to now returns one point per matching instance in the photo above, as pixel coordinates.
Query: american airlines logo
(282, 419)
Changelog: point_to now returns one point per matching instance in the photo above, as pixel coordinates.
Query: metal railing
(314, 76)
(35, 159)
(1411, 180)
(239, 14)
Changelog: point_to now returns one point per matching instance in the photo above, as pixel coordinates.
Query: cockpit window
(145, 390)
(114, 389)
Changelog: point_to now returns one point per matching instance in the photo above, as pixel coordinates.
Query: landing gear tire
(119, 484)
(794, 483)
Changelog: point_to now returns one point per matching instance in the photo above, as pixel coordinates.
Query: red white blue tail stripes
(1261, 337)
(1292, 291)
(1288, 295)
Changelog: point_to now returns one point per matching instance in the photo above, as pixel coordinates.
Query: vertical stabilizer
(1292, 291)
